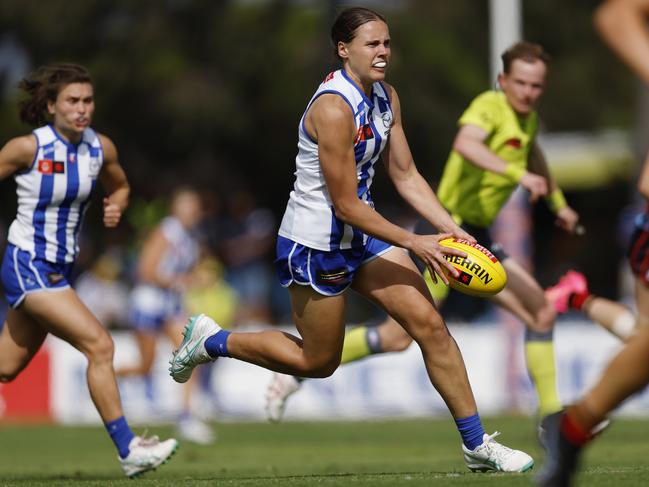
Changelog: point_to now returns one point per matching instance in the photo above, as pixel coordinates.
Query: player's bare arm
(16, 155)
(630, 43)
(409, 182)
(332, 126)
(113, 179)
(470, 143)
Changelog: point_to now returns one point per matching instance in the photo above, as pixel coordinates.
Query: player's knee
(545, 318)
(320, 367)
(431, 329)
(101, 349)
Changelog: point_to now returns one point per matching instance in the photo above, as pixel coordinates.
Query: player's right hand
(535, 184)
(428, 249)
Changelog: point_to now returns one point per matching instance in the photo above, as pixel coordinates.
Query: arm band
(515, 173)
(556, 200)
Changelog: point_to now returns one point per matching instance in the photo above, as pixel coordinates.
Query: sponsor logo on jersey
(471, 266)
(48, 166)
(364, 133)
(336, 276)
(45, 166)
(329, 77)
(514, 142)
(72, 157)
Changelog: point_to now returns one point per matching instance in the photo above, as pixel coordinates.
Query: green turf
(395, 453)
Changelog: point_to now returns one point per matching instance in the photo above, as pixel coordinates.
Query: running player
(56, 168)
(622, 24)
(494, 151)
(169, 254)
(331, 238)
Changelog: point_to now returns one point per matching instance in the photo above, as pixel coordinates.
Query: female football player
(331, 238)
(56, 168)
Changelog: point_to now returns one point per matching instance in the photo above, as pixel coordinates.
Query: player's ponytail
(44, 85)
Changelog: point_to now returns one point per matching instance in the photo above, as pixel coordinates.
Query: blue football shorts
(22, 274)
(328, 273)
(151, 307)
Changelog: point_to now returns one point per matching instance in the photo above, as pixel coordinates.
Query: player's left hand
(112, 214)
(567, 218)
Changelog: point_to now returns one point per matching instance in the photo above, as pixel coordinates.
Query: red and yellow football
(481, 273)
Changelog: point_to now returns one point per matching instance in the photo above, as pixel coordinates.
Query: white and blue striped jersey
(309, 218)
(182, 253)
(53, 195)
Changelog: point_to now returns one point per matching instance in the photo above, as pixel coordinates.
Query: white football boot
(192, 349)
(196, 431)
(281, 387)
(491, 455)
(147, 454)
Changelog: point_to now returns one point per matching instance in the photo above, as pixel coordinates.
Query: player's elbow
(461, 145)
(344, 209)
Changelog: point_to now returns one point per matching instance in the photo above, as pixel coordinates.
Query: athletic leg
(627, 373)
(524, 298)
(20, 339)
(319, 320)
(146, 344)
(63, 314)
(394, 283)
(571, 292)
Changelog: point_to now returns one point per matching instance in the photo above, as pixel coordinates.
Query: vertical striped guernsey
(53, 195)
(309, 218)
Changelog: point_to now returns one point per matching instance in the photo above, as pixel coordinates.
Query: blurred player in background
(495, 150)
(56, 168)
(331, 238)
(168, 256)
(623, 25)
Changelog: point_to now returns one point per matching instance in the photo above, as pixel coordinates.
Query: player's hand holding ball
(429, 249)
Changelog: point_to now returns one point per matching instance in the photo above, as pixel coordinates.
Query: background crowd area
(209, 94)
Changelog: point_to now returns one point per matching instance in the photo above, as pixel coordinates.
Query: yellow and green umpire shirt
(471, 194)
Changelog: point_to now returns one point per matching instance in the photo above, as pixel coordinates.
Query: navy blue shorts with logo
(328, 273)
(22, 273)
(638, 251)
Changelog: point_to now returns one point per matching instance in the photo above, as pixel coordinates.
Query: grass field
(395, 453)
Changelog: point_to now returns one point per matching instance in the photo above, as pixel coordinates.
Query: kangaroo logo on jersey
(94, 167)
(387, 120)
